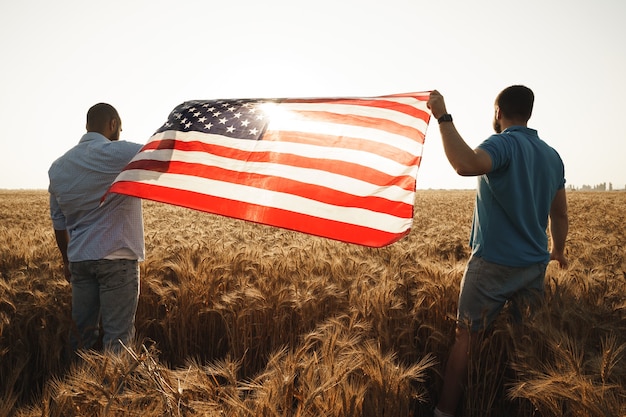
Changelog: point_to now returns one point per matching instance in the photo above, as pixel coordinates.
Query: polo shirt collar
(519, 128)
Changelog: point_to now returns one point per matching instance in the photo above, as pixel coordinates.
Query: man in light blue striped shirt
(101, 244)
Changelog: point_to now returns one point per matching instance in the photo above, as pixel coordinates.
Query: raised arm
(465, 160)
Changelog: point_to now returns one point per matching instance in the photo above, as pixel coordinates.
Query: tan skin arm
(465, 160)
(62, 238)
(559, 225)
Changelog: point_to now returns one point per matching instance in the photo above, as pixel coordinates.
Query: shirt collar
(518, 128)
(93, 137)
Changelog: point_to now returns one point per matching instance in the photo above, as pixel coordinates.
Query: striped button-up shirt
(78, 181)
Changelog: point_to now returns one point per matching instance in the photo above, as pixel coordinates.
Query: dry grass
(238, 319)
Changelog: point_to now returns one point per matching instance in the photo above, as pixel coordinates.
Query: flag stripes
(313, 188)
(339, 168)
(317, 158)
(287, 219)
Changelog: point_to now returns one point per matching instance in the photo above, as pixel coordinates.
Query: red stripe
(383, 104)
(421, 96)
(382, 149)
(362, 121)
(260, 214)
(348, 169)
(333, 141)
(278, 184)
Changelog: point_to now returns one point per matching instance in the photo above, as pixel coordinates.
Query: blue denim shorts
(486, 287)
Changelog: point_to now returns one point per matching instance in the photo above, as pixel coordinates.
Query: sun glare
(278, 115)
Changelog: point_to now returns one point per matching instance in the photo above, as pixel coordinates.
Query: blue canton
(239, 119)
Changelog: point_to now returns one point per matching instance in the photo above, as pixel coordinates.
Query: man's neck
(505, 124)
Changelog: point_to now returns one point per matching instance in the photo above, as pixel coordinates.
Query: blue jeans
(486, 287)
(104, 291)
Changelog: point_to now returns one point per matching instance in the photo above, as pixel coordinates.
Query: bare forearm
(559, 227)
(62, 238)
(465, 160)
(458, 152)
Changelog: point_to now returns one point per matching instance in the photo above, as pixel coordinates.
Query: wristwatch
(445, 118)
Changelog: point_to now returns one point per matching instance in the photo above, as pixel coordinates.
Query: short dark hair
(99, 115)
(516, 102)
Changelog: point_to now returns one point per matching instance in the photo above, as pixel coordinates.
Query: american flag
(341, 168)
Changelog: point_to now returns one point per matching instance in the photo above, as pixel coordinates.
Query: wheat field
(238, 319)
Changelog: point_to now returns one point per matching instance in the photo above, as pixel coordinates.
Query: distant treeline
(598, 187)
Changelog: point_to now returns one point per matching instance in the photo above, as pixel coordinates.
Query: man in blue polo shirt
(101, 243)
(521, 185)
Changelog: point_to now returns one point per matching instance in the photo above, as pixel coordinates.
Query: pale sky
(57, 58)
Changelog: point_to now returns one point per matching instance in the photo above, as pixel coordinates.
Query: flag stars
(232, 118)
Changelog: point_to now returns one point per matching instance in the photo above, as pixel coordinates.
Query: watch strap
(445, 118)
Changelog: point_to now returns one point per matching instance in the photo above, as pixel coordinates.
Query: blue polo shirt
(513, 200)
(78, 180)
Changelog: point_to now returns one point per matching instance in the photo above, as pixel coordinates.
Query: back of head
(516, 102)
(99, 116)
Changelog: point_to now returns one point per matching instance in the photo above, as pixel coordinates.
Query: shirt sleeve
(58, 219)
(118, 154)
(498, 150)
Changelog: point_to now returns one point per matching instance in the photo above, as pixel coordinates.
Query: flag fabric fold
(340, 168)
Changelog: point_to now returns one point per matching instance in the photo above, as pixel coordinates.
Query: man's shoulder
(118, 151)
(123, 145)
(494, 142)
(59, 163)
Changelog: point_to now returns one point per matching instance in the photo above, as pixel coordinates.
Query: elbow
(471, 167)
(465, 170)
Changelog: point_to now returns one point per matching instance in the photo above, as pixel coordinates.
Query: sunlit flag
(341, 168)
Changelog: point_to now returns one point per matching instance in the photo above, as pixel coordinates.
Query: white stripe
(354, 156)
(282, 118)
(306, 175)
(336, 129)
(367, 111)
(285, 201)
